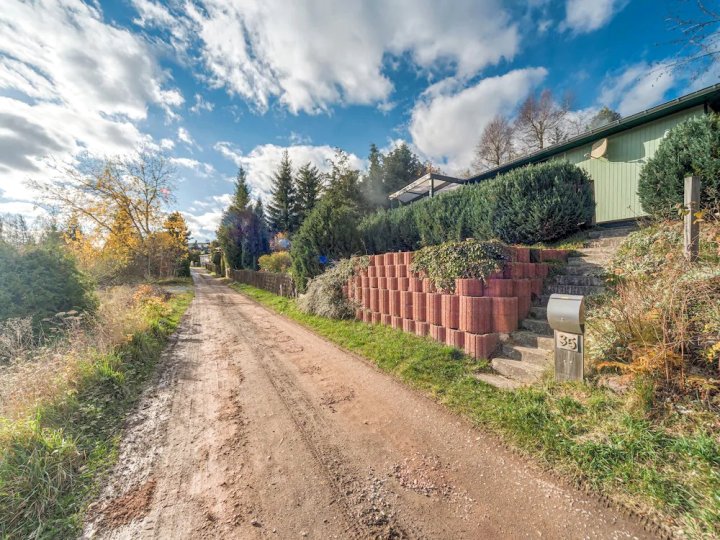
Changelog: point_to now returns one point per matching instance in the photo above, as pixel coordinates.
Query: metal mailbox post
(566, 315)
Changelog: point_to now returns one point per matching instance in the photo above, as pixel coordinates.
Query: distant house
(613, 155)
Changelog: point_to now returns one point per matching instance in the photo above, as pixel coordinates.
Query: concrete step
(498, 381)
(582, 270)
(537, 326)
(590, 262)
(593, 281)
(531, 355)
(530, 339)
(517, 370)
(585, 290)
(611, 232)
(537, 312)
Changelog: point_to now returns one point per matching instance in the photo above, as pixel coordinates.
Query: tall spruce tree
(309, 186)
(373, 182)
(282, 210)
(241, 197)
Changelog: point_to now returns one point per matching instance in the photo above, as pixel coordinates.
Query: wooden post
(692, 227)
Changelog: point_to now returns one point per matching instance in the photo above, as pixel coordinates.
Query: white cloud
(167, 144)
(184, 136)
(201, 105)
(261, 163)
(203, 169)
(203, 226)
(72, 84)
(587, 15)
(311, 55)
(447, 122)
(638, 87)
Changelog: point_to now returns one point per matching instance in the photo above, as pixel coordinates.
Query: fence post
(692, 226)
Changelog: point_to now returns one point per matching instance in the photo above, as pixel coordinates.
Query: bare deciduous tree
(699, 44)
(496, 144)
(540, 121)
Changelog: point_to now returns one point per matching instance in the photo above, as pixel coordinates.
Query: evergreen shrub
(691, 148)
(328, 233)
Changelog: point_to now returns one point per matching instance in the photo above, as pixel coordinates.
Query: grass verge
(664, 465)
(51, 462)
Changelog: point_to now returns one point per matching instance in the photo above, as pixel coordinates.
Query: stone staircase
(526, 354)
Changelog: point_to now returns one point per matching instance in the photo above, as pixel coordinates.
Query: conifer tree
(309, 185)
(282, 210)
(241, 197)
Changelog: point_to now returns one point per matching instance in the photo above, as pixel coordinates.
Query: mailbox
(566, 315)
(566, 312)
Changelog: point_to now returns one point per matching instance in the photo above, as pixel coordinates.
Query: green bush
(329, 233)
(542, 203)
(533, 204)
(278, 262)
(444, 263)
(39, 281)
(325, 297)
(691, 148)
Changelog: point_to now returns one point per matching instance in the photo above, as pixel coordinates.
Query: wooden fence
(280, 284)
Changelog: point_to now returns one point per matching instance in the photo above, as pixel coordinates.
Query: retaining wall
(471, 318)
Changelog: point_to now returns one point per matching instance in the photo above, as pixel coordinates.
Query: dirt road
(257, 428)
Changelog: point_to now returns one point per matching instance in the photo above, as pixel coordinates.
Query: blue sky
(220, 83)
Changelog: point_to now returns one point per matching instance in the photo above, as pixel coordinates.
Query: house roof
(709, 95)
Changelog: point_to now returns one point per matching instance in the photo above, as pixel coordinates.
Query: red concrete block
(373, 282)
(543, 269)
(438, 332)
(386, 319)
(384, 301)
(375, 300)
(536, 286)
(359, 314)
(521, 287)
(433, 308)
(392, 283)
(497, 274)
(499, 287)
(357, 280)
(469, 287)
(372, 271)
(365, 282)
(476, 314)
(455, 338)
(371, 260)
(380, 271)
(450, 307)
(397, 322)
(428, 285)
(416, 284)
(399, 258)
(514, 270)
(390, 271)
(523, 254)
(419, 311)
(421, 328)
(375, 318)
(406, 304)
(403, 283)
(531, 270)
(382, 283)
(366, 297)
(394, 303)
(505, 314)
(388, 259)
(367, 315)
(480, 346)
(409, 326)
(407, 257)
(401, 270)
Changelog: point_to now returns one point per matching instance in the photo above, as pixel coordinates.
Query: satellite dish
(599, 148)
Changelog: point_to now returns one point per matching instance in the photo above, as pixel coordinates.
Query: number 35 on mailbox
(566, 315)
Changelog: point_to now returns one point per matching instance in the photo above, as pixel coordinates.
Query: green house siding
(616, 175)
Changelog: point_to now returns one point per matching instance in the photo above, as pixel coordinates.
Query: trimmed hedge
(537, 203)
(691, 148)
(542, 203)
